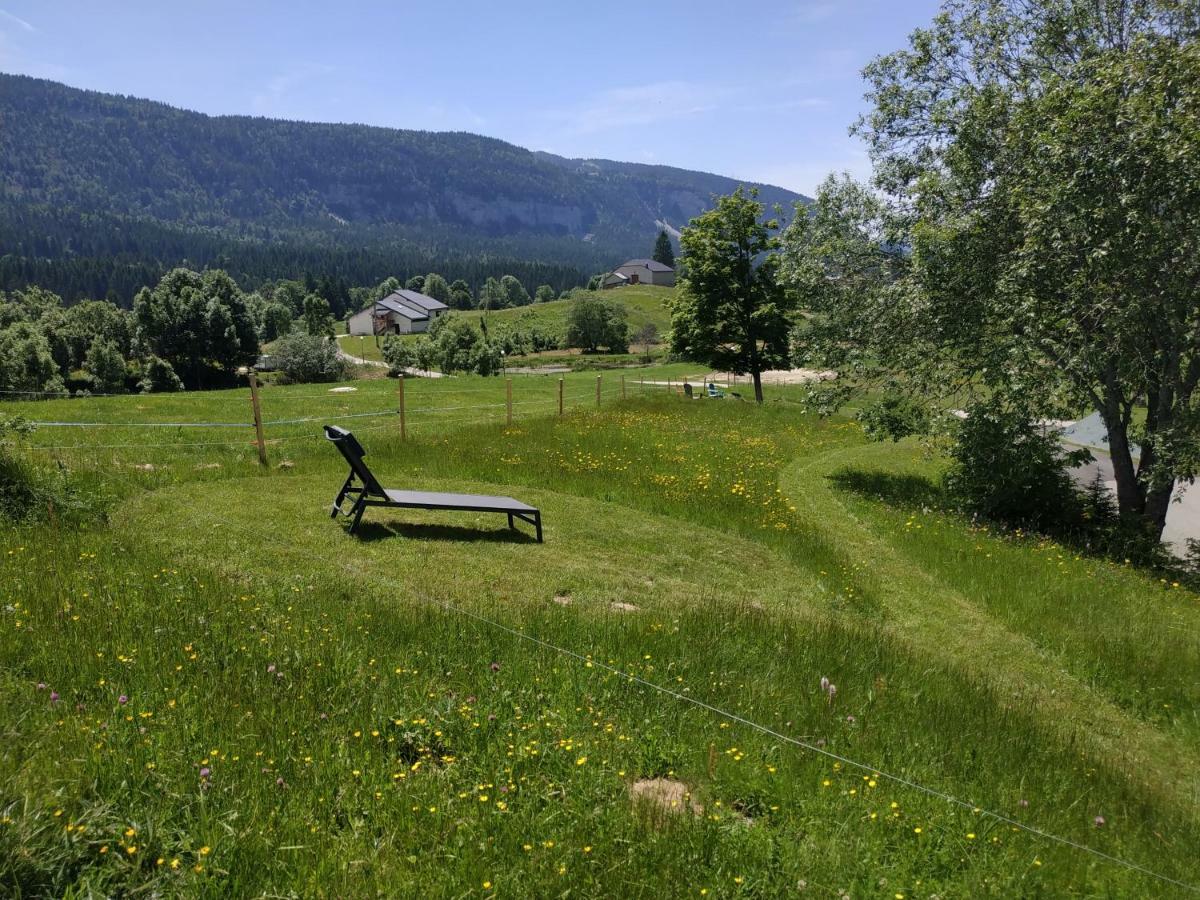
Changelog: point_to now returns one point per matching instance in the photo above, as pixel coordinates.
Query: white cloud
(644, 104)
(5, 14)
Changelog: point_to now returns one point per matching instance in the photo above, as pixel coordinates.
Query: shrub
(458, 346)
(1007, 469)
(305, 358)
(399, 354)
(26, 363)
(28, 492)
(159, 377)
(593, 323)
(106, 366)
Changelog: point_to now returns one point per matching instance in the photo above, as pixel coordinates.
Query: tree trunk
(1158, 502)
(758, 397)
(1147, 508)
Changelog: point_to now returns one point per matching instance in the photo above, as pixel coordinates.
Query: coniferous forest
(102, 194)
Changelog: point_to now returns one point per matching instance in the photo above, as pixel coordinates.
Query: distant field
(217, 692)
(643, 302)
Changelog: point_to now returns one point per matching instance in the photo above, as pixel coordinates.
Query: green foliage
(435, 286)
(93, 320)
(593, 283)
(308, 358)
(839, 262)
(198, 323)
(544, 294)
(894, 417)
(458, 346)
(492, 295)
(460, 295)
(416, 283)
(664, 252)
(399, 354)
(276, 322)
(106, 367)
(731, 312)
(1007, 469)
(318, 319)
(159, 377)
(514, 292)
(33, 493)
(594, 322)
(18, 491)
(25, 360)
(1043, 157)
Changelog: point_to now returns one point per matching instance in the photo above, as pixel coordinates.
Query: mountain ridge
(117, 163)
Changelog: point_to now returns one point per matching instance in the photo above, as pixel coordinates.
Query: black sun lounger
(369, 492)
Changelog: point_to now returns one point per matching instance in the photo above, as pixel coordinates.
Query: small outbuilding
(400, 312)
(646, 271)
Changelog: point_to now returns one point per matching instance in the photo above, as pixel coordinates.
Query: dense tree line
(81, 257)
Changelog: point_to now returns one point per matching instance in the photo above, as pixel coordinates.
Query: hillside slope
(92, 172)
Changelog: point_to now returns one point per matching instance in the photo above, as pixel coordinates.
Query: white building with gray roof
(400, 312)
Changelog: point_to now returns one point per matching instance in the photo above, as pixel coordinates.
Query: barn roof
(417, 300)
(652, 264)
(393, 303)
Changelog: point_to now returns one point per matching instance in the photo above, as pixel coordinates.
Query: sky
(763, 92)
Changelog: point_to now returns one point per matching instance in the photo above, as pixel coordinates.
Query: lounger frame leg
(357, 512)
(538, 525)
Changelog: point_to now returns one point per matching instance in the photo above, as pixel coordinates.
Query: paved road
(1183, 519)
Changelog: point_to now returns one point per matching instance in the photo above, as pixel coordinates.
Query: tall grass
(304, 712)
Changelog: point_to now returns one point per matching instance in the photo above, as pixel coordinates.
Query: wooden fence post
(400, 389)
(258, 424)
(622, 385)
(560, 396)
(508, 399)
(597, 391)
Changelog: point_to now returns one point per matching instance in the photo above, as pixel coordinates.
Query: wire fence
(591, 662)
(503, 411)
(419, 409)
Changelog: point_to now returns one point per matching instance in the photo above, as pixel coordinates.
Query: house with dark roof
(642, 271)
(400, 312)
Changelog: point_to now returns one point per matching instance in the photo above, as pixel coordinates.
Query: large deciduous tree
(593, 323)
(198, 323)
(731, 311)
(1047, 158)
(436, 287)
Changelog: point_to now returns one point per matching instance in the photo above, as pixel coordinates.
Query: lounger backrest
(353, 451)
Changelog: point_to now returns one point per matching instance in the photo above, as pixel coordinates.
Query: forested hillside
(100, 193)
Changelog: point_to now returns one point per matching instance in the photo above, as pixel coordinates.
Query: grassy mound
(268, 705)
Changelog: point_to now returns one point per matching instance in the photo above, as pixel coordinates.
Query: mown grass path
(240, 699)
(929, 613)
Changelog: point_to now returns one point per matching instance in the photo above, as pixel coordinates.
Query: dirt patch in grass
(662, 798)
(618, 606)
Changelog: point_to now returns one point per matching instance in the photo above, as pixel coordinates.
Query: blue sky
(762, 92)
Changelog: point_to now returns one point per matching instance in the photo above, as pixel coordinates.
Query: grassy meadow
(644, 304)
(216, 691)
